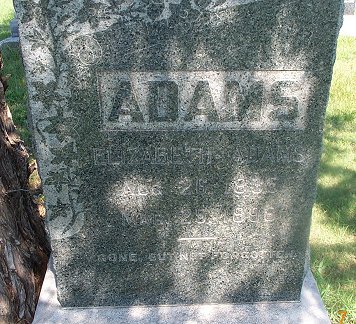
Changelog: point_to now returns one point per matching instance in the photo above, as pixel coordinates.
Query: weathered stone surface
(179, 144)
(349, 7)
(310, 310)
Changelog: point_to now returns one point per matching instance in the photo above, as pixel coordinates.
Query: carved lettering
(202, 107)
(253, 215)
(189, 186)
(197, 255)
(243, 103)
(185, 155)
(125, 107)
(284, 103)
(154, 101)
(202, 217)
(153, 155)
(163, 104)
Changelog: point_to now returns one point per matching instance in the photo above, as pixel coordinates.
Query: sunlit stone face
(178, 143)
(203, 100)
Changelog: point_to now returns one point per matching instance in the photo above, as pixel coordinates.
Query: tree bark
(24, 248)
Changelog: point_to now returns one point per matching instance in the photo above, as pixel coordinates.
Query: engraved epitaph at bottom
(310, 309)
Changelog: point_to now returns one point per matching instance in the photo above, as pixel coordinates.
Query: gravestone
(13, 40)
(178, 142)
(350, 6)
(14, 26)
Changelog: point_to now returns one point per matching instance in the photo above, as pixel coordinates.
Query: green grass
(6, 14)
(333, 236)
(16, 94)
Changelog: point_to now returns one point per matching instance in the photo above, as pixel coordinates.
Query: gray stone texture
(310, 310)
(350, 6)
(178, 144)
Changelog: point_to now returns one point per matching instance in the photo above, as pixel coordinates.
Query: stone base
(310, 310)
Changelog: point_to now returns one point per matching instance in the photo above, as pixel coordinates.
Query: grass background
(6, 14)
(333, 234)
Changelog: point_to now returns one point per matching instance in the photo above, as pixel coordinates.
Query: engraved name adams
(159, 101)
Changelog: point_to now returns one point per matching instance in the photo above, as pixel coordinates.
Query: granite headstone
(178, 142)
(350, 6)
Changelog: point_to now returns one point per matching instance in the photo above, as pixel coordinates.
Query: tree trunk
(24, 248)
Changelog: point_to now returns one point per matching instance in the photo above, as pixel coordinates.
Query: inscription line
(197, 238)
